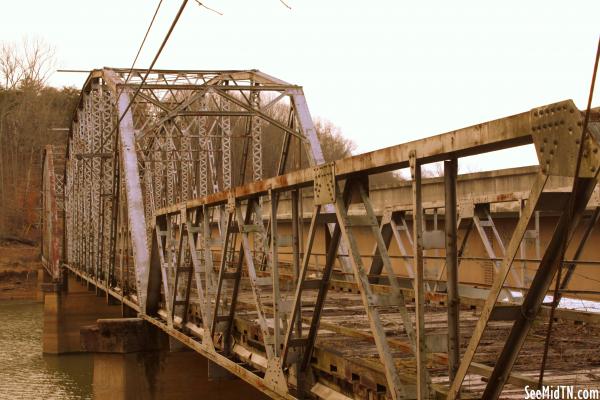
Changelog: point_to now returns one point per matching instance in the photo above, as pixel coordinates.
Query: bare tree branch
(38, 62)
(11, 72)
(29, 65)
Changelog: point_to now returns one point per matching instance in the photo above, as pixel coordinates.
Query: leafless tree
(434, 170)
(333, 143)
(10, 66)
(28, 108)
(38, 61)
(28, 65)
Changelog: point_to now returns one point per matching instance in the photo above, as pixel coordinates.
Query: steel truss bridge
(287, 281)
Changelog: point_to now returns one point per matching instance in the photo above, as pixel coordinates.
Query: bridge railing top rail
(503, 133)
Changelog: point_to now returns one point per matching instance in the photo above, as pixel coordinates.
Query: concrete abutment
(67, 310)
(132, 359)
(135, 360)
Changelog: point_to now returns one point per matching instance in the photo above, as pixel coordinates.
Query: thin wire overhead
(285, 4)
(208, 8)
(162, 46)
(142, 44)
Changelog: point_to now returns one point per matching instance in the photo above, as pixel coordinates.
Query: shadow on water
(152, 362)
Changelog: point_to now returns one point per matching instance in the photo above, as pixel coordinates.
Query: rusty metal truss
(160, 217)
(53, 208)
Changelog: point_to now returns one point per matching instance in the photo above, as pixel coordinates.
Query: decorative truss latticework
(200, 132)
(53, 208)
(179, 208)
(186, 134)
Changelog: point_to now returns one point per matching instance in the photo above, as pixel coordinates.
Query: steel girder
(298, 344)
(174, 143)
(136, 228)
(52, 209)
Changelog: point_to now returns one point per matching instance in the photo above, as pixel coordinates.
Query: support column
(66, 312)
(43, 277)
(419, 285)
(133, 360)
(450, 172)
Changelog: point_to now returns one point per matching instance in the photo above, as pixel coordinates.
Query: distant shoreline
(18, 285)
(19, 268)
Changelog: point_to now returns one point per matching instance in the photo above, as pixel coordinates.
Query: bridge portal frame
(554, 129)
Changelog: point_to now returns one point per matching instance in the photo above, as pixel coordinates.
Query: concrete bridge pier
(68, 306)
(43, 278)
(135, 360)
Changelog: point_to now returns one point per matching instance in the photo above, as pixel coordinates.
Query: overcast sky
(385, 72)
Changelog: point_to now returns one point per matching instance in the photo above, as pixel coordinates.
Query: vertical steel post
(296, 260)
(415, 169)
(296, 221)
(275, 273)
(450, 225)
(490, 302)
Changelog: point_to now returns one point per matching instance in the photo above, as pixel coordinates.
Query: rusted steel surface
(52, 210)
(494, 135)
(157, 219)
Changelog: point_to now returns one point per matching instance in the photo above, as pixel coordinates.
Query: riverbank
(19, 267)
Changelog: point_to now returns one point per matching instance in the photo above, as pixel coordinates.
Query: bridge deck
(155, 218)
(345, 352)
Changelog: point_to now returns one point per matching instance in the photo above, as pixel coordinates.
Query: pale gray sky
(386, 72)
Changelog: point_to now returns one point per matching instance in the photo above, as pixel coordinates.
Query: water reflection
(164, 376)
(24, 372)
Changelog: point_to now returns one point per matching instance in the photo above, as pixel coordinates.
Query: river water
(27, 374)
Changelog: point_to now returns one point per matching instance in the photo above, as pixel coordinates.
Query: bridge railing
(52, 211)
(206, 250)
(211, 270)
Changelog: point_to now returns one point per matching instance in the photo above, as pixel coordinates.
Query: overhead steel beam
(489, 136)
(244, 322)
(178, 86)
